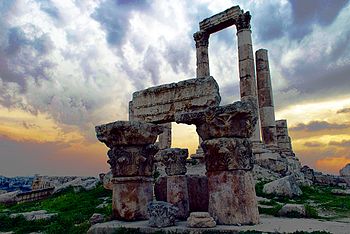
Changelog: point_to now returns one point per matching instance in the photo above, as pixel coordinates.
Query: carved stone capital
(227, 154)
(132, 160)
(201, 38)
(174, 160)
(243, 21)
(234, 120)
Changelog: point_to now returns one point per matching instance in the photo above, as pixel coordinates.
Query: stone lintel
(159, 104)
(221, 20)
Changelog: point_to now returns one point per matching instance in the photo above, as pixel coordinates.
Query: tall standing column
(202, 42)
(246, 65)
(265, 96)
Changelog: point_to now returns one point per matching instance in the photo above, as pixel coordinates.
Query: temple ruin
(230, 144)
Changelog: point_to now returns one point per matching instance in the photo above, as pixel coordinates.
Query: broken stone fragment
(226, 154)
(200, 220)
(234, 120)
(174, 160)
(295, 210)
(283, 187)
(161, 214)
(345, 171)
(127, 133)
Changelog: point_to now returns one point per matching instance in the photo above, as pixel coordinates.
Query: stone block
(234, 120)
(292, 209)
(226, 154)
(345, 171)
(284, 187)
(265, 97)
(245, 52)
(200, 220)
(127, 133)
(159, 104)
(232, 198)
(130, 197)
(177, 194)
(246, 68)
(161, 214)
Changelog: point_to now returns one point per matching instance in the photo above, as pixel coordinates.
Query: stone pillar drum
(202, 42)
(283, 139)
(165, 137)
(246, 65)
(131, 196)
(177, 194)
(266, 106)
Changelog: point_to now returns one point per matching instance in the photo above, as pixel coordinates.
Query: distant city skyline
(67, 66)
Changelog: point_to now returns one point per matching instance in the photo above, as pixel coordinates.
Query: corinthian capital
(243, 21)
(201, 38)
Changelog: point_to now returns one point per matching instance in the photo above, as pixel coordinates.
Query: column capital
(243, 21)
(201, 38)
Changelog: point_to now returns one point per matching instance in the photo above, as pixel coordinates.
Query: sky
(67, 66)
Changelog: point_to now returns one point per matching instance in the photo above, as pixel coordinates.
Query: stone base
(232, 198)
(130, 197)
(177, 194)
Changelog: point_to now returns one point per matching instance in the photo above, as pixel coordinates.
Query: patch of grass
(74, 211)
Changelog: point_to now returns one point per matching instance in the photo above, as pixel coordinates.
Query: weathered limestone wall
(159, 104)
(283, 139)
(265, 96)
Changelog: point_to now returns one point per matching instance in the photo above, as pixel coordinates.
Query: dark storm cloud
(343, 143)
(344, 111)
(318, 126)
(114, 16)
(305, 13)
(22, 57)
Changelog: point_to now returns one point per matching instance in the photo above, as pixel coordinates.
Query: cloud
(344, 111)
(332, 164)
(313, 144)
(343, 143)
(318, 126)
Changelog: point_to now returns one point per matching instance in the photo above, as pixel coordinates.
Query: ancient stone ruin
(229, 136)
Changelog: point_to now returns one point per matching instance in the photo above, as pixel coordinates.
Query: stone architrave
(246, 65)
(283, 139)
(225, 131)
(159, 104)
(265, 96)
(131, 154)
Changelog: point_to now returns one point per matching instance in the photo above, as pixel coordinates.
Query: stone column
(225, 131)
(165, 137)
(266, 106)
(246, 65)
(202, 42)
(283, 139)
(174, 160)
(131, 155)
